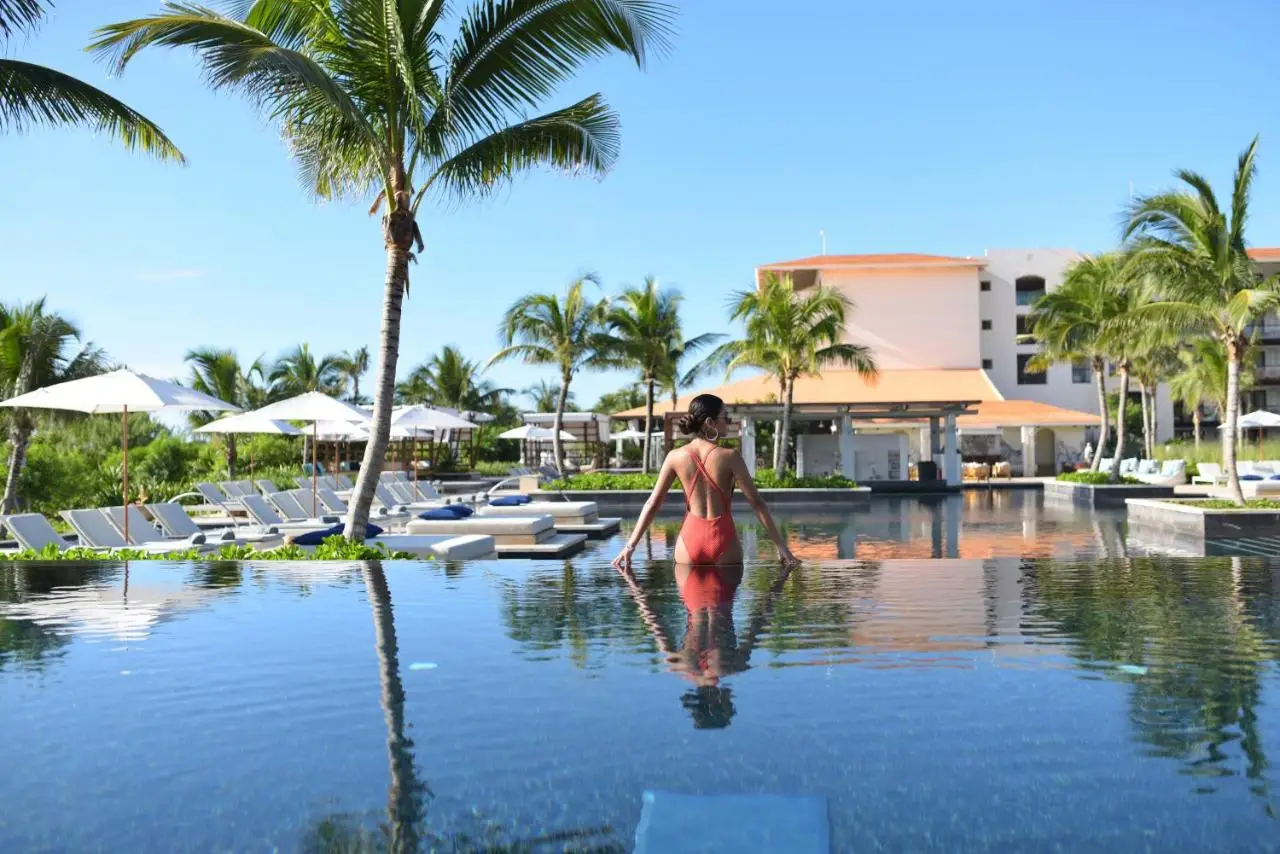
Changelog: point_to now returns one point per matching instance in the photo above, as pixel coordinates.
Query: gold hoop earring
(714, 437)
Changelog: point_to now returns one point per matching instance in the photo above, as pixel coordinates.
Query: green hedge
(1097, 478)
(605, 481)
(333, 548)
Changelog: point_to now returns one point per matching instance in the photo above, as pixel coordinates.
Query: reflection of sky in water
(980, 704)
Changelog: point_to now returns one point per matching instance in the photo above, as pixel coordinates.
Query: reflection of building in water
(116, 611)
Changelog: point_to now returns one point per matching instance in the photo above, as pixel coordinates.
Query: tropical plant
(351, 367)
(217, 373)
(298, 371)
(370, 97)
(37, 348)
(790, 334)
(1124, 341)
(644, 329)
(1157, 361)
(564, 332)
(1194, 254)
(542, 397)
(34, 96)
(1070, 322)
(450, 379)
(1202, 379)
(628, 397)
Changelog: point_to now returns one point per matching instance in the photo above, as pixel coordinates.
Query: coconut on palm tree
(298, 371)
(37, 349)
(34, 96)
(1194, 254)
(644, 330)
(790, 334)
(565, 332)
(373, 98)
(1069, 322)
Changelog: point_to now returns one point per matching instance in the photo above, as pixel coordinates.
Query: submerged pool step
(672, 823)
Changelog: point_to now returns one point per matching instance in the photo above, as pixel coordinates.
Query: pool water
(1025, 698)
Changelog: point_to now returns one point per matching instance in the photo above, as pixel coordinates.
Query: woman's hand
(622, 562)
(789, 560)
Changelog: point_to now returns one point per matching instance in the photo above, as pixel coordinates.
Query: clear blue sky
(930, 127)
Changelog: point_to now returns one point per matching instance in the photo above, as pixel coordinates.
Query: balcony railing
(1269, 330)
(1267, 372)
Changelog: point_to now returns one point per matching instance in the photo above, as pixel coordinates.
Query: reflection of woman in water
(711, 648)
(708, 474)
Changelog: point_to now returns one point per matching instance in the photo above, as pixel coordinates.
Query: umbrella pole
(415, 456)
(124, 447)
(315, 438)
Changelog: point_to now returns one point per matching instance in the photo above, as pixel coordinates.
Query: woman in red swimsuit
(708, 473)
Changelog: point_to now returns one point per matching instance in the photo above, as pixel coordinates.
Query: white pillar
(925, 445)
(1028, 452)
(747, 436)
(951, 452)
(848, 462)
(800, 454)
(935, 438)
(617, 450)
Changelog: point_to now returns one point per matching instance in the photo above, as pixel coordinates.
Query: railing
(1268, 331)
(1267, 372)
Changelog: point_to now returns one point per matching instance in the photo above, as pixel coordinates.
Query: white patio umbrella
(418, 419)
(1258, 420)
(531, 433)
(120, 391)
(249, 422)
(638, 435)
(313, 407)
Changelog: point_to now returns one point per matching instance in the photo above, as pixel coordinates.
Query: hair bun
(688, 424)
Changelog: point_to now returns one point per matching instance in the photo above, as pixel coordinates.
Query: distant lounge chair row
(1153, 472)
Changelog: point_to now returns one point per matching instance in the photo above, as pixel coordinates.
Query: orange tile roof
(891, 259)
(1025, 413)
(928, 385)
(1265, 253)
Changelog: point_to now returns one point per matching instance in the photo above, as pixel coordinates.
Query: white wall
(820, 454)
(917, 318)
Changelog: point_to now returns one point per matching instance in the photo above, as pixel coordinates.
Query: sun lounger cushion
(445, 512)
(1148, 467)
(315, 538)
(497, 526)
(510, 500)
(1251, 477)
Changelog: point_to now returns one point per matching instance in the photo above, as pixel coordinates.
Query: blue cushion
(510, 500)
(1274, 477)
(439, 514)
(1251, 477)
(462, 511)
(315, 538)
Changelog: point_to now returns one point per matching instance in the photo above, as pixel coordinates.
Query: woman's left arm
(666, 476)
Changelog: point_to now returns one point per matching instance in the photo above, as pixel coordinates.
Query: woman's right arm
(666, 476)
(749, 491)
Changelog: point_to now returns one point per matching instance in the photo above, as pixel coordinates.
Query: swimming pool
(1028, 702)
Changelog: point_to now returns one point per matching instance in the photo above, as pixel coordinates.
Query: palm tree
(1153, 365)
(1195, 255)
(1123, 341)
(543, 395)
(36, 349)
(628, 397)
(217, 373)
(1069, 323)
(298, 372)
(1202, 379)
(371, 97)
(565, 332)
(351, 367)
(790, 335)
(450, 379)
(34, 96)
(644, 329)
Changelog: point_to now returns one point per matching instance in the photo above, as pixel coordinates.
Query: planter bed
(1187, 519)
(1102, 495)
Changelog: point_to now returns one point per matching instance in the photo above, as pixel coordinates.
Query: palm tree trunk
(404, 793)
(648, 423)
(777, 437)
(231, 456)
(1104, 431)
(397, 228)
(781, 467)
(1233, 417)
(557, 424)
(19, 441)
(1195, 422)
(1120, 405)
(1146, 421)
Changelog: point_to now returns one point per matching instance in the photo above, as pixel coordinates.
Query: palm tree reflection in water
(711, 649)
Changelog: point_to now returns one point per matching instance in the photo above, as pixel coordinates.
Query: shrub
(333, 548)
(1097, 478)
(593, 481)
(768, 479)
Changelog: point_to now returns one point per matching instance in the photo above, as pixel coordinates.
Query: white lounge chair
(290, 504)
(523, 536)
(95, 529)
(1170, 473)
(258, 508)
(175, 522)
(216, 497)
(1210, 473)
(33, 531)
(142, 532)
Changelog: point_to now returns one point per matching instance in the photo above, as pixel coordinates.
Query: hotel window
(1081, 372)
(987, 364)
(984, 285)
(1028, 289)
(1022, 326)
(986, 324)
(1025, 377)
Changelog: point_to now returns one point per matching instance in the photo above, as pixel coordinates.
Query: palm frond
(33, 95)
(17, 15)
